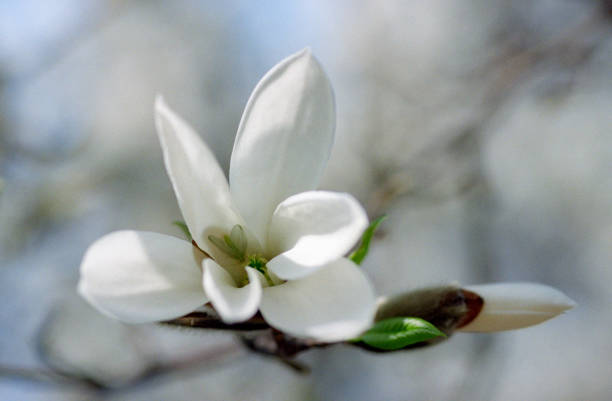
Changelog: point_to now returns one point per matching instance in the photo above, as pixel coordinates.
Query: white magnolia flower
(275, 244)
(509, 306)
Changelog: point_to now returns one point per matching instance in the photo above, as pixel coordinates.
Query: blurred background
(482, 128)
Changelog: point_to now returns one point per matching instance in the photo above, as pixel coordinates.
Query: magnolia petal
(232, 303)
(509, 306)
(284, 138)
(311, 229)
(334, 303)
(200, 186)
(142, 277)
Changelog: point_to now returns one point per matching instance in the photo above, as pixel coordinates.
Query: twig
(208, 319)
(447, 307)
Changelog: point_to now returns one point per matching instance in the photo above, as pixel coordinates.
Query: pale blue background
(482, 128)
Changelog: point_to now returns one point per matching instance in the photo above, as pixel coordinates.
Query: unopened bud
(509, 306)
(446, 307)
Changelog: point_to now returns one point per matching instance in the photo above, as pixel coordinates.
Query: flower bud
(509, 306)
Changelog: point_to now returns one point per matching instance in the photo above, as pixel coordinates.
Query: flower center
(234, 245)
(258, 263)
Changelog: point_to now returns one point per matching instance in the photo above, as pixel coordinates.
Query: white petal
(199, 183)
(232, 303)
(141, 277)
(312, 229)
(284, 138)
(335, 303)
(509, 306)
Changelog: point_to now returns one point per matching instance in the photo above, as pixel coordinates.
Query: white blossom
(275, 243)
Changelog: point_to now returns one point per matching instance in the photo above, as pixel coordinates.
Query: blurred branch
(447, 307)
(47, 376)
(420, 176)
(57, 376)
(60, 372)
(571, 49)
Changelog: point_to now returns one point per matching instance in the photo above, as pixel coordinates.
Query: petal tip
(234, 304)
(567, 303)
(159, 101)
(307, 57)
(161, 107)
(305, 52)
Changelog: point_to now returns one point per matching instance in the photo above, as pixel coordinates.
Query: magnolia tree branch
(446, 307)
(207, 318)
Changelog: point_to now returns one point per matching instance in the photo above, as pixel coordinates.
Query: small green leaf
(399, 332)
(360, 253)
(184, 228)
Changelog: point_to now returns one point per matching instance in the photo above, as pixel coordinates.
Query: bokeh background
(482, 128)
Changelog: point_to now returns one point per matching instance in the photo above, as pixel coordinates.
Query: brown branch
(447, 307)
(209, 319)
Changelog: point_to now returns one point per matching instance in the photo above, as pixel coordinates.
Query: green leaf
(184, 228)
(362, 251)
(399, 332)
